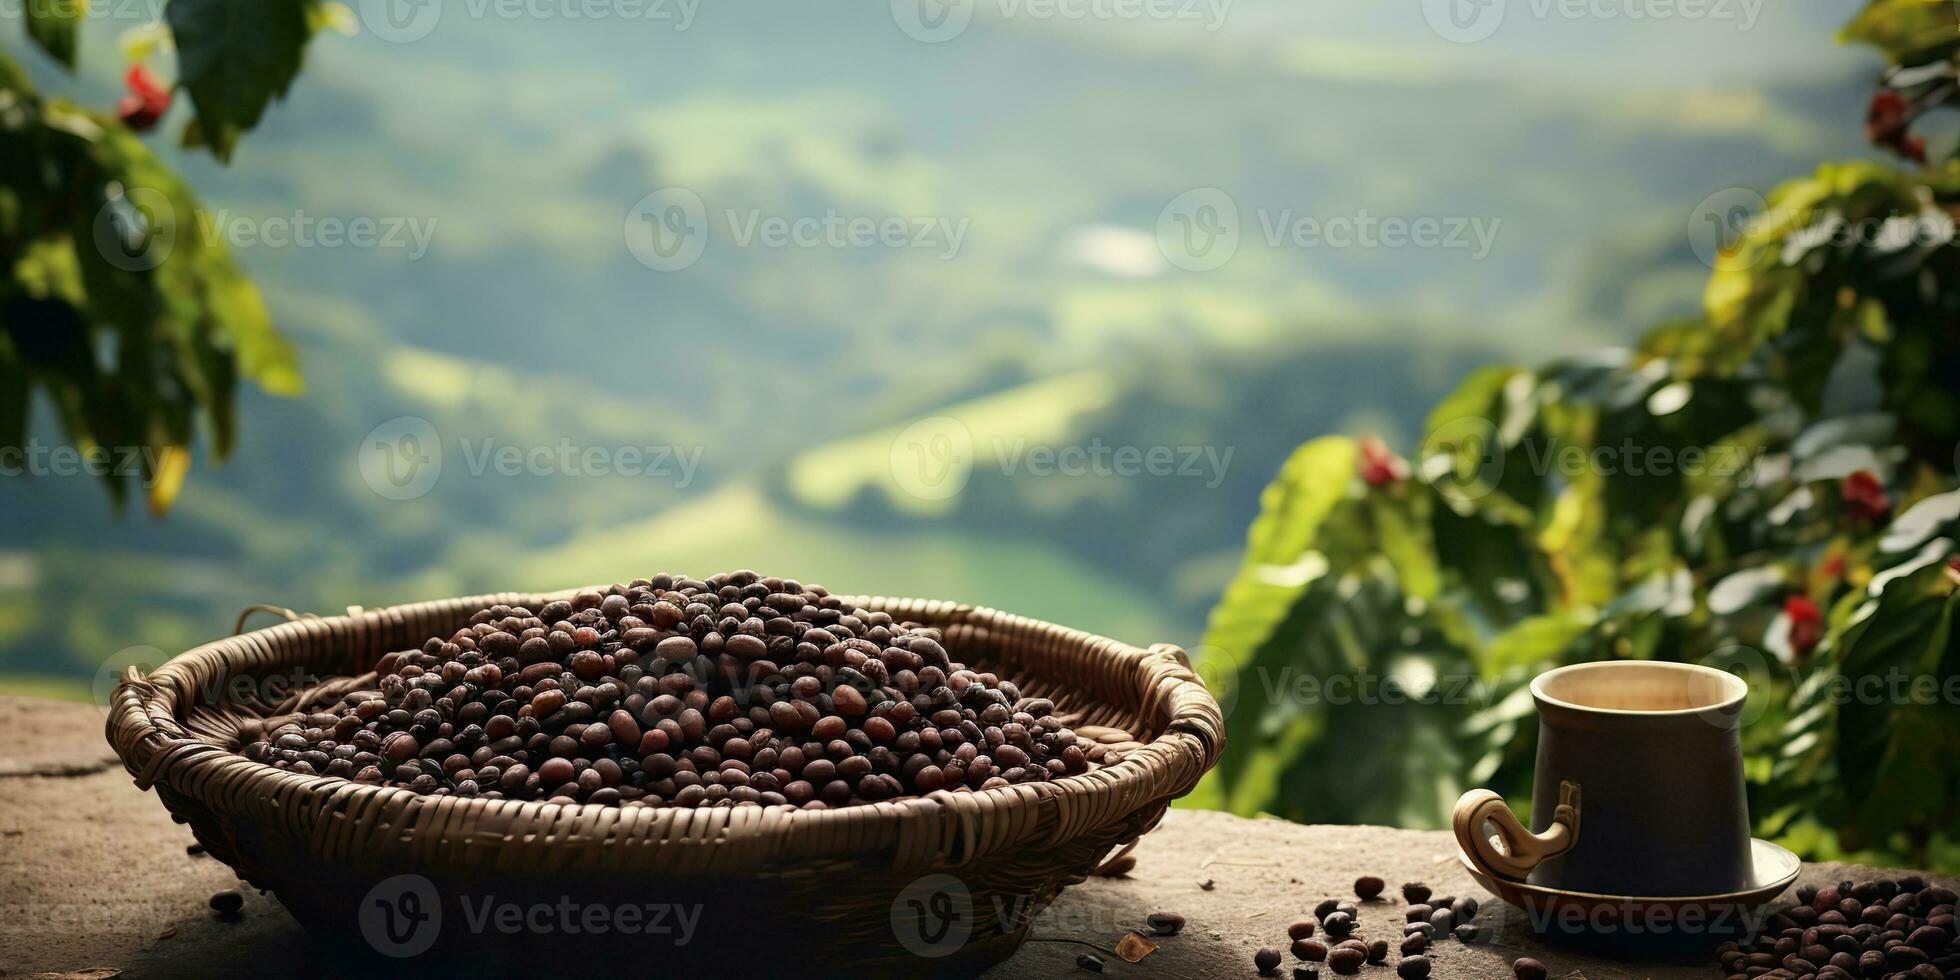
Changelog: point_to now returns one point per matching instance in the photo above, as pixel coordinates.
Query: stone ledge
(95, 882)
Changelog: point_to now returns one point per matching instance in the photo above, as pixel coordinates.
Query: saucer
(1648, 925)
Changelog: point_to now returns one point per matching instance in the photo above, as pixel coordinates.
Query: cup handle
(1514, 851)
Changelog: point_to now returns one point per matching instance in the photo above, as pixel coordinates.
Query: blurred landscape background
(523, 147)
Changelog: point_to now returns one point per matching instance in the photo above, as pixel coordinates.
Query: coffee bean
(1415, 892)
(1467, 933)
(1301, 929)
(1378, 951)
(1346, 961)
(1526, 968)
(1306, 973)
(1414, 943)
(1367, 887)
(1090, 962)
(1312, 950)
(645, 694)
(227, 902)
(1326, 908)
(1338, 924)
(194, 849)
(1267, 961)
(1413, 968)
(1164, 923)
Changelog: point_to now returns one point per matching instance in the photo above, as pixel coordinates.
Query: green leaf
(1906, 30)
(1892, 741)
(235, 57)
(54, 25)
(1533, 641)
(1278, 566)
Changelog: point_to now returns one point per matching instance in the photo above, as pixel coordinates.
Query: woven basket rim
(142, 718)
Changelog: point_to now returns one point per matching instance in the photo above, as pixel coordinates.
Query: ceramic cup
(1638, 787)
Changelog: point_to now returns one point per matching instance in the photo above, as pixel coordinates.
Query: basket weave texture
(826, 883)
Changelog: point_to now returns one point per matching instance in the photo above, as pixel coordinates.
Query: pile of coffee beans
(1887, 929)
(674, 691)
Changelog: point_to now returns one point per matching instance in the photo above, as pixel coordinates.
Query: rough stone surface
(95, 882)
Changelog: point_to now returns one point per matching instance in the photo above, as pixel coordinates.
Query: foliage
(1768, 488)
(135, 324)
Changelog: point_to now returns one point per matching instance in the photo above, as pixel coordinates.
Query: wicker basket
(940, 885)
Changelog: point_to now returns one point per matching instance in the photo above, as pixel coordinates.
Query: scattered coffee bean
(1419, 912)
(1413, 968)
(1090, 962)
(1443, 919)
(1207, 885)
(1164, 923)
(1299, 930)
(670, 691)
(1267, 961)
(1346, 960)
(1415, 893)
(227, 902)
(1326, 908)
(1338, 924)
(1306, 973)
(1467, 933)
(1311, 950)
(1367, 887)
(194, 849)
(1527, 968)
(1378, 951)
(1414, 943)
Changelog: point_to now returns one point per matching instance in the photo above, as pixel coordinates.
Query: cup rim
(1738, 689)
